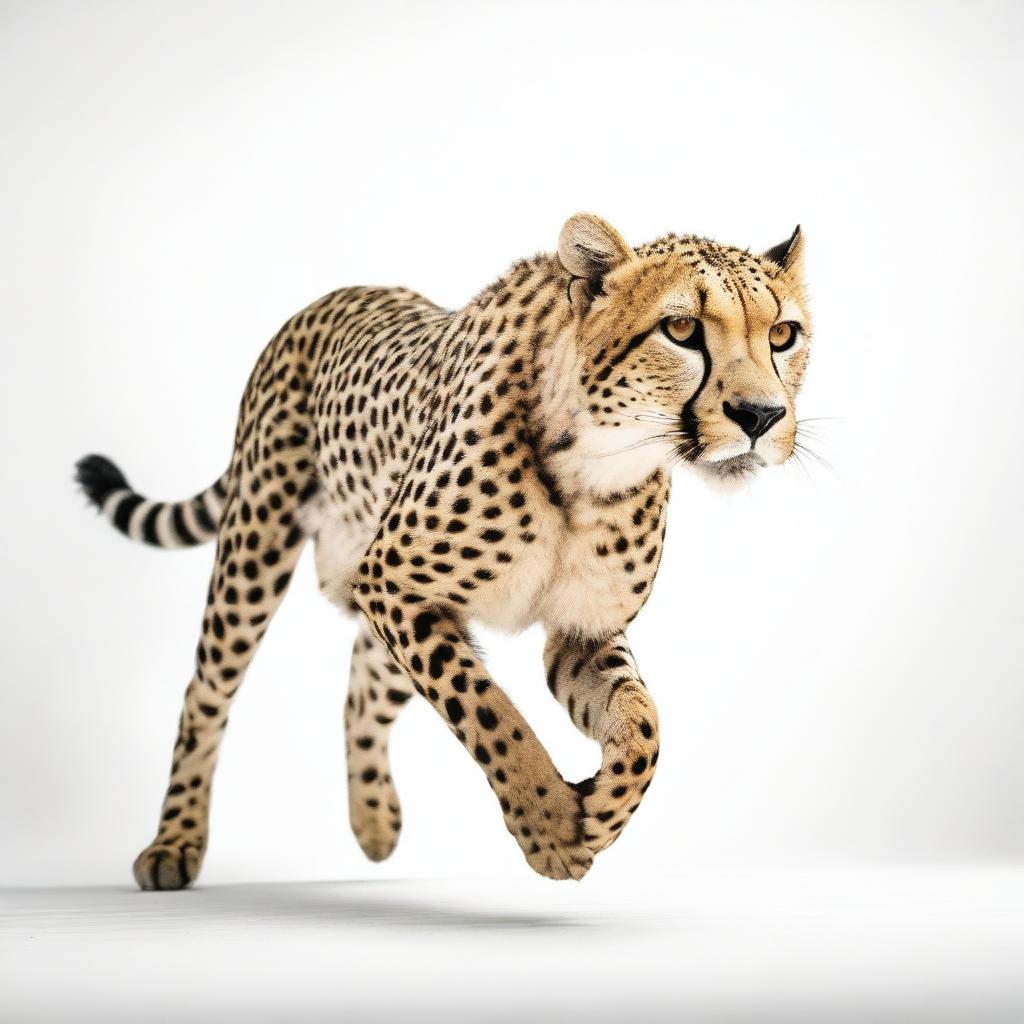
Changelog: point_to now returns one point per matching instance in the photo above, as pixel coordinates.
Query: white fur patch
(614, 459)
(339, 550)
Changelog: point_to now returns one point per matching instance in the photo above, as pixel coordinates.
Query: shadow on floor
(347, 903)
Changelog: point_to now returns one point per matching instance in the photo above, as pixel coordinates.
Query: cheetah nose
(754, 419)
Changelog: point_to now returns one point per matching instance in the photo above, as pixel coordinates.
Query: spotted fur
(507, 462)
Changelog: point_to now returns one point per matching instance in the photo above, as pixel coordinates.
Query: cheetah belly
(340, 547)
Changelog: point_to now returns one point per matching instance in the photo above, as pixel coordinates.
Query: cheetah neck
(588, 463)
(530, 313)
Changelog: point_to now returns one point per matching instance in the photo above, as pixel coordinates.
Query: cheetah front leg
(378, 690)
(541, 810)
(600, 687)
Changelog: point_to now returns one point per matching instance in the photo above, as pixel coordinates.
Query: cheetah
(505, 463)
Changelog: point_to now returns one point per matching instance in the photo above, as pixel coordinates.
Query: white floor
(767, 946)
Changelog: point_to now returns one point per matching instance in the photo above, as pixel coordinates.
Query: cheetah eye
(685, 331)
(783, 336)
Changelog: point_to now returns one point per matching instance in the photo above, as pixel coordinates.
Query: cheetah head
(690, 351)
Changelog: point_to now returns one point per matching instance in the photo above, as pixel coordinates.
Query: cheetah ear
(589, 248)
(789, 254)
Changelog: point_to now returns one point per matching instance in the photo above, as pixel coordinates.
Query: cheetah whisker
(645, 442)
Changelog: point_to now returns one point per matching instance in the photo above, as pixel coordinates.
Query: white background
(835, 654)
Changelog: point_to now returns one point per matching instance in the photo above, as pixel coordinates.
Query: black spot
(562, 443)
(455, 710)
(423, 624)
(487, 718)
(440, 655)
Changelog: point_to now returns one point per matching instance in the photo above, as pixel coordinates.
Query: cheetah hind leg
(236, 617)
(378, 690)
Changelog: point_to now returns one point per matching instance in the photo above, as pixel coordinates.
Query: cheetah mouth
(734, 466)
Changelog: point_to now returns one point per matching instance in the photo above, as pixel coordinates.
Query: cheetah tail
(162, 524)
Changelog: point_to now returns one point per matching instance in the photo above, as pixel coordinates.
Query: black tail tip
(99, 478)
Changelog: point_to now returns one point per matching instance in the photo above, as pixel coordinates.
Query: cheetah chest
(598, 583)
(590, 578)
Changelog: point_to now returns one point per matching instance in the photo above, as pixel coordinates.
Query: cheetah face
(692, 352)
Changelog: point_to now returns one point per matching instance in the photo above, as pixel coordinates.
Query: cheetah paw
(376, 827)
(547, 826)
(559, 860)
(167, 866)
